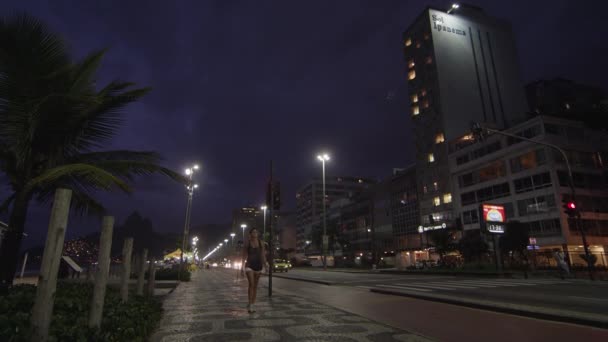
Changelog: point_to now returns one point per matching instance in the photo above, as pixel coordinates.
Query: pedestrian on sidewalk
(254, 259)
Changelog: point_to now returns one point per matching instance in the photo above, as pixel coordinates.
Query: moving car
(280, 265)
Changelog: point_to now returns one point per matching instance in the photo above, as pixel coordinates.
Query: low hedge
(131, 321)
(171, 274)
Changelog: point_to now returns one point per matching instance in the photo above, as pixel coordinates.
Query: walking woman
(254, 259)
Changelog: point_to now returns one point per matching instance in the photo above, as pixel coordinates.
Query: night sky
(237, 83)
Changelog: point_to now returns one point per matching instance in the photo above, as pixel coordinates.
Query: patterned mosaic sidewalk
(212, 307)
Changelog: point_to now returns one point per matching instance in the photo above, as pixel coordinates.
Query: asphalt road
(576, 295)
(442, 322)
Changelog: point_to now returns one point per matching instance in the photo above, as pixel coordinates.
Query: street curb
(322, 282)
(519, 310)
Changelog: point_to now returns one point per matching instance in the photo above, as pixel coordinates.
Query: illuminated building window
(447, 198)
(439, 138)
(418, 45)
(423, 92)
(437, 201)
(410, 63)
(431, 157)
(425, 104)
(436, 186)
(411, 74)
(414, 98)
(428, 60)
(424, 189)
(408, 42)
(467, 137)
(415, 110)
(567, 105)
(427, 36)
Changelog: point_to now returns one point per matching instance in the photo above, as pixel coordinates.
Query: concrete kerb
(598, 321)
(322, 282)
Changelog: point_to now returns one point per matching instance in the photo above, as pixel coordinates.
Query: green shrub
(132, 321)
(171, 274)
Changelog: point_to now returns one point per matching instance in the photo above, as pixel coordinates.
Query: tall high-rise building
(309, 202)
(461, 67)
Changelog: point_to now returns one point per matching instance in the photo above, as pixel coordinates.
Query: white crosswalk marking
(469, 284)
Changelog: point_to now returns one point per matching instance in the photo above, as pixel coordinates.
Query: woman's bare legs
(256, 279)
(252, 284)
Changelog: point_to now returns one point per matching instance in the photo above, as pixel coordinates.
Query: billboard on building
(493, 218)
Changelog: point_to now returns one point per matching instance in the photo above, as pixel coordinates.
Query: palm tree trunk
(9, 252)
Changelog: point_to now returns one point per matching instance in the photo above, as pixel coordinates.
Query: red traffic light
(571, 205)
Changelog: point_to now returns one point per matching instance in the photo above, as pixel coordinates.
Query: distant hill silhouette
(144, 236)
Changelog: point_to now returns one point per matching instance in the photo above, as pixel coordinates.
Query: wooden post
(151, 278)
(127, 248)
(47, 281)
(142, 272)
(101, 277)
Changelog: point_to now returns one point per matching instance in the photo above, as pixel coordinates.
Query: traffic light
(570, 207)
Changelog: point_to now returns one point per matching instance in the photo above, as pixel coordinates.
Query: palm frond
(83, 204)
(128, 164)
(7, 203)
(96, 177)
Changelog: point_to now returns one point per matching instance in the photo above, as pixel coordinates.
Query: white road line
(590, 299)
(434, 287)
(463, 286)
(466, 283)
(495, 283)
(405, 288)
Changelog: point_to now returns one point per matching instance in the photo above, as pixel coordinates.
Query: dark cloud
(237, 83)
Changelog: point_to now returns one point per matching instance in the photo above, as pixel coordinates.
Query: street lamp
(190, 192)
(264, 209)
(454, 7)
(323, 158)
(232, 236)
(243, 226)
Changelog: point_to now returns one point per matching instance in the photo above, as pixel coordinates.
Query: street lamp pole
(243, 226)
(232, 237)
(264, 210)
(323, 158)
(190, 191)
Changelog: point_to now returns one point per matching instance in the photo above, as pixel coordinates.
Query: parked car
(280, 265)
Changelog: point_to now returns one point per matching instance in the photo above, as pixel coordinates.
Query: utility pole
(270, 253)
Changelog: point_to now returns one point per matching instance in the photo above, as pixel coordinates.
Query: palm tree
(54, 121)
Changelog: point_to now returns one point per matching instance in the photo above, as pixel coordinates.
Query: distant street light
(323, 158)
(243, 226)
(232, 236)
